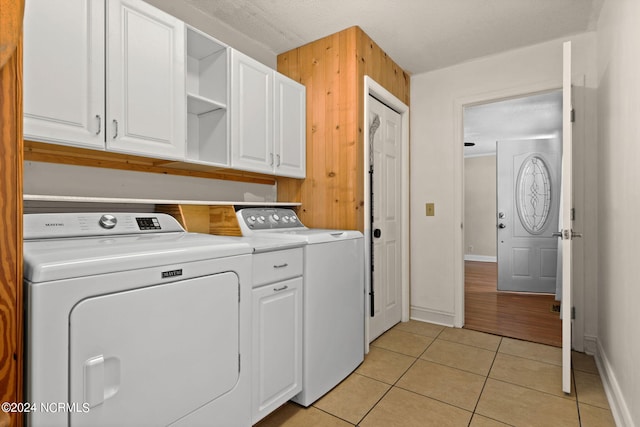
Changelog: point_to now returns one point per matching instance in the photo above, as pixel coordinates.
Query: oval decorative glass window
(533, 194)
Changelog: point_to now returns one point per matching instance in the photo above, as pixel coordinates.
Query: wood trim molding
(11, 13)
(11, 160)
(62, 154)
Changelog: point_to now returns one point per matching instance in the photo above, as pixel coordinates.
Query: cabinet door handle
(99, 124)
(281, 265)
(115, 128)
(278, 158)
(271, 154)
(282, 288)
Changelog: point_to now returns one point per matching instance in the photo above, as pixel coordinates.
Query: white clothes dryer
(130, 320)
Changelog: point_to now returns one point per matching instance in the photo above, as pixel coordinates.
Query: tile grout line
(575, 388)
(486, 378)
(403, 374)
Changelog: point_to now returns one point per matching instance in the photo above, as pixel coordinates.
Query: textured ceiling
(532, 117)
(420, 35)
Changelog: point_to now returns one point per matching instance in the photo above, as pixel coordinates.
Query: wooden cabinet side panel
(333, 70)
(11, 354)
(290, 189)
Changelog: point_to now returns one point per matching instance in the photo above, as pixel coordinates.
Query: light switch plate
(431, 209)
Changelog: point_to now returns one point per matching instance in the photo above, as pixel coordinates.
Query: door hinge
(573, 115)
(573, 313)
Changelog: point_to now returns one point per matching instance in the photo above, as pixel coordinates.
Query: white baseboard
(619, 407)
(432, 316)
(590, 344)
(480, 258)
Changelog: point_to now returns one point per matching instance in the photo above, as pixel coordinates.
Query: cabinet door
(251, 114)
(64, 72)
(145, 80)
(277, 345)
(289, 127)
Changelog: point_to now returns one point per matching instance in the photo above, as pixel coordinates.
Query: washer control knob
(294, 218)
(108, 221)
(285, 218)
(261, 219)
(275, 218)
(251, 219)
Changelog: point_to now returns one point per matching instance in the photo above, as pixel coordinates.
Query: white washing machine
(130, 320)
(333, 297)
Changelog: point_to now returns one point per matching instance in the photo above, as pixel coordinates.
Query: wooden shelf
(197, 104)
(62, 154)
(84, 199)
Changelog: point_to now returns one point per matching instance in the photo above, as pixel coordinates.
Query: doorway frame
(373, 88)
(459, 207)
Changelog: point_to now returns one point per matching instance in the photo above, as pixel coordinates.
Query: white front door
(386, 275)
(528, 196)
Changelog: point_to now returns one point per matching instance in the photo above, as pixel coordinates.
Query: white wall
(619, 193)
(480, 208)
(437, 99)
(66, 180)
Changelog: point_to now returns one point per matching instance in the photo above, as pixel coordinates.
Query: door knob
(501, 225)
(377, 233)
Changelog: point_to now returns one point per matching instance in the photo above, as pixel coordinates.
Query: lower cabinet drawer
(269, 267)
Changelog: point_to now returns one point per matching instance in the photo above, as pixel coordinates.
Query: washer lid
(55, 259)
(310, 235)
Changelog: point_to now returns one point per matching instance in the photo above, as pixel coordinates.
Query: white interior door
(566, 233)
(528, 194)
(386, 210)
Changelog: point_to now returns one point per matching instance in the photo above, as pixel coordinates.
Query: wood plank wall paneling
(333, 70)
(11, 346)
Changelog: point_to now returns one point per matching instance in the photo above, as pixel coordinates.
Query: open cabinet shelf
(207, 100)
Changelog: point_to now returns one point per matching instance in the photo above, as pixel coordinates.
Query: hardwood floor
(510, 314)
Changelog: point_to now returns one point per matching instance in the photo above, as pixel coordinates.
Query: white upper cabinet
(145, 80)
(123, 76)
(267, 119)
(64, 72)
(251, 114)
(65, 81)
(289, 127)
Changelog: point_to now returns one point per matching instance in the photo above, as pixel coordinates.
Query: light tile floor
(420, 374)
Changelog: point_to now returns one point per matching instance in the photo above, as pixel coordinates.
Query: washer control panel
(268, 219)
(44, 226)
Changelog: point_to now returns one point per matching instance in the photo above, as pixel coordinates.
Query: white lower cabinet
(277, 345)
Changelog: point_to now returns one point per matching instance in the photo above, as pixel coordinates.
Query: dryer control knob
(261, 219)
(275, 218)
(108, 221)
(251, 219)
